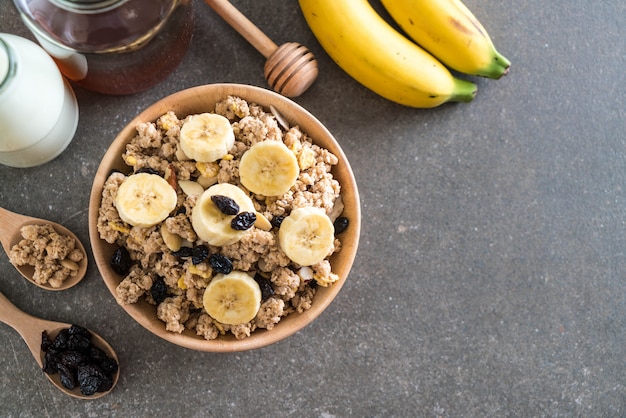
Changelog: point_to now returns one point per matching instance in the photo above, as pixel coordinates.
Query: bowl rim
(292, 111)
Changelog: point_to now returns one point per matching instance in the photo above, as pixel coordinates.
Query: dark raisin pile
(79, 363)
(225, 204)
(243, 221)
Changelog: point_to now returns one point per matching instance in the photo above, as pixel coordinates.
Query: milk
(38, 109)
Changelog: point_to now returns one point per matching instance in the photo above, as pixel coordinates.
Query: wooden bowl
(203, 99)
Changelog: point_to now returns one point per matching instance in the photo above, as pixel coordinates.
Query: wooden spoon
(10, 235)
(290, 69)
(31, 329)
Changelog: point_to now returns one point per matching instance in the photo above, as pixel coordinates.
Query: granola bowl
(161, 287)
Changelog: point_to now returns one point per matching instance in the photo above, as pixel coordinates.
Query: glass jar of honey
(112, 46)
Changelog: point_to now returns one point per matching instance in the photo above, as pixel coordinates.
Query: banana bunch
(371, 51)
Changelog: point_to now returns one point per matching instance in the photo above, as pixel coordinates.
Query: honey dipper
(290, 69)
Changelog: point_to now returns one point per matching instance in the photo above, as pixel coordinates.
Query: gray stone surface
(490, 274)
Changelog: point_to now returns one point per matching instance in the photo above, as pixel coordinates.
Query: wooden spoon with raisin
(61, 265)
(76, 360)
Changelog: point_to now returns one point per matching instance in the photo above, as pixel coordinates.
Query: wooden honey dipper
(290, 69)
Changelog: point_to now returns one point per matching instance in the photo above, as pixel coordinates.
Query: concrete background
(489, 280)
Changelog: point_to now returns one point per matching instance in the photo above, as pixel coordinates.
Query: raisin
(60, 342)
(225, 204)
(277, 221)
(68, 381)
(199, 254)
(121, 261)
(105, 384)
(46, 342)
(266, 287)
(148, 170)
(78, 330)
(340, 224)
(50, 362)
(158, 291)
(109, 365)
(184, 252)
(78, 342)
(90, 385)
(243, 221)
(90, 379)
(221, 263)
(85, 370)
(72, 358)
(97, 355)
(67, 376)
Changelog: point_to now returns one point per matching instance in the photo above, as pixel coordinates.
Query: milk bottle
(38, 109)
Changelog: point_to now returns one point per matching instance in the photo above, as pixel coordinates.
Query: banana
(306, 236)
(145, 199)
(232, 299)
(268, 168)
(206, 137)
(451, 32)
(210, 223)
(370, 50)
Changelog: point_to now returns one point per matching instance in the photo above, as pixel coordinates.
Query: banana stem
(464, 91)
(503, 62)
(498, 67)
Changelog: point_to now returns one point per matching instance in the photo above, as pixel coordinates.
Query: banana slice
(233, 299)
(307, 235)
(145, 199)
(206, 137)
(268, 168)
(210, 223)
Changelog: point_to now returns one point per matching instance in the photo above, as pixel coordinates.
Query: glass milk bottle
(38, 109)
(112, 46)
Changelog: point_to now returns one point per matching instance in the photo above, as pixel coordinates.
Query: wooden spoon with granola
(46, 253)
